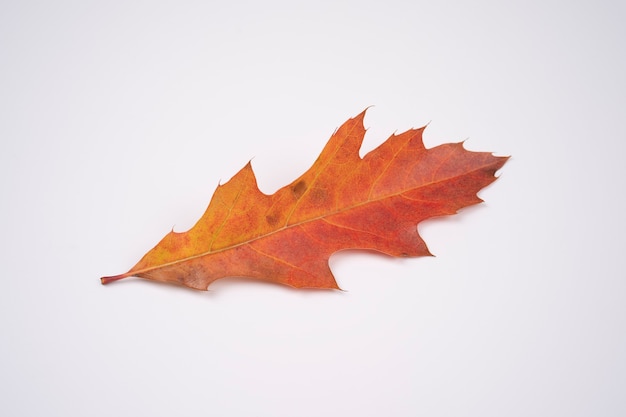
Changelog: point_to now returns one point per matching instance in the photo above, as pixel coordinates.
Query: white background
(119, 118)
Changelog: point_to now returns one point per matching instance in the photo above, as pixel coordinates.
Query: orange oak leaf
(342, 202)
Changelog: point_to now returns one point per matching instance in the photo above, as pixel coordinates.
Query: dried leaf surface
(342, 202)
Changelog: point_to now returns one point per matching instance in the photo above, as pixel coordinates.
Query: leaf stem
(108, 280)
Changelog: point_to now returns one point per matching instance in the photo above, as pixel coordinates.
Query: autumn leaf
(342, 202)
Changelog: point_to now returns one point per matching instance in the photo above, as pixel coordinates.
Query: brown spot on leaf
(298, 189)
(318, 196)
(272, 219)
